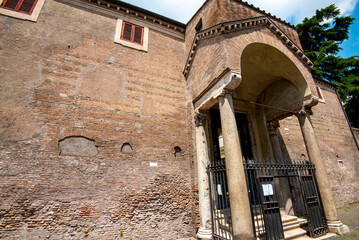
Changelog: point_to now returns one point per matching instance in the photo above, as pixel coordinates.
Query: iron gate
(266, 218)
(220, 207)
(267, 223)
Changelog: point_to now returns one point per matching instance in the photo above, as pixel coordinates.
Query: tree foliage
(321, 36)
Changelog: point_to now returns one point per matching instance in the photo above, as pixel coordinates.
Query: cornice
(328, 84)
(240, 25)
(266, 13)
(117, 8)
(249, 6)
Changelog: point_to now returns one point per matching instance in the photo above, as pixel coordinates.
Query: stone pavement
(349, 215)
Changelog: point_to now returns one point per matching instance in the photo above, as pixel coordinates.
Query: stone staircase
(293, 227)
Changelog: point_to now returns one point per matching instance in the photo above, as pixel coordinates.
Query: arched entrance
(271, 88)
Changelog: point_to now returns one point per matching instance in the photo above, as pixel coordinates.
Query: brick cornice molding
(327, 84)
(124, 10)
(240, 25)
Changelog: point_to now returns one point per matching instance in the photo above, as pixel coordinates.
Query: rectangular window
(132, 33)
(22, 6)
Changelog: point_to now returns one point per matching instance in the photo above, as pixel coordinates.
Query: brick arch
(237, 43)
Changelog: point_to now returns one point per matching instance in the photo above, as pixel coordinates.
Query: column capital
(200, 119)
(226, 91)
(228, 79)
(232, 79)
(307, 106)
(272, 127)
(230, 82)
(305, 110)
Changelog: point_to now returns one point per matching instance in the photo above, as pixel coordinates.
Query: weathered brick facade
(97, 139)
(64, 76)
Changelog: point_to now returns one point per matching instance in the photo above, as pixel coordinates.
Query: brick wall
(64, 76)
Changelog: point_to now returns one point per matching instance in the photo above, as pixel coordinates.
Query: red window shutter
(126, 31)
(132, 33)
(10, 4)
(27, 6)
(138, 35)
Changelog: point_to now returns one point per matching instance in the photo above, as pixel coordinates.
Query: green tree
(321, 36)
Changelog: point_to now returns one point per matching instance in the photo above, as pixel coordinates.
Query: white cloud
(291, 10)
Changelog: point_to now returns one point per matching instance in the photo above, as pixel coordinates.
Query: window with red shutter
(137, 38)
(23, 6)
(132, 33)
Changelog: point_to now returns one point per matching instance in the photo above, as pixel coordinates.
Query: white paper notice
(267, 189)
(219, 189)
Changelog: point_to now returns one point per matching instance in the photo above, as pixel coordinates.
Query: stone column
(272, 128)
(204, 231)
(284, 196)
(334, 224)
(237, 187)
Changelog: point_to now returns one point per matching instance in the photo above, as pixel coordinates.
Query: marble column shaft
(316, 158)
(237, 187)
(334, 224)
(204, 231)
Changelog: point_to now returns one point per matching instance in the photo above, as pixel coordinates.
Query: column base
(338, 227)
(204, 234)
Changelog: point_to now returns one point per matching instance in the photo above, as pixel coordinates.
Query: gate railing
(220, 207)
(259, 174)
(266, 219)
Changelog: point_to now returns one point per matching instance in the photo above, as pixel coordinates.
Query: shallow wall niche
(178, 151)
(78, 146)
(126, 148)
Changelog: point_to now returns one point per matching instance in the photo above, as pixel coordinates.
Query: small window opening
(132, 33)
(23, 6)
(178, 151)
(199, 26)
(126, 148)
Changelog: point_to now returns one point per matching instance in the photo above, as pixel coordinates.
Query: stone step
(294, 233)
(292, 226)
(286, 221)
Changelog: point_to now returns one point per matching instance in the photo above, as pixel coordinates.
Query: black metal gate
(316, 219)
(267, 223)
(219, 196)
(266, 219)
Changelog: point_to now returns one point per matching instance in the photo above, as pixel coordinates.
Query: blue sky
(293, 11)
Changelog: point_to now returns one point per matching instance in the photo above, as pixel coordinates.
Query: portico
(264, 95)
